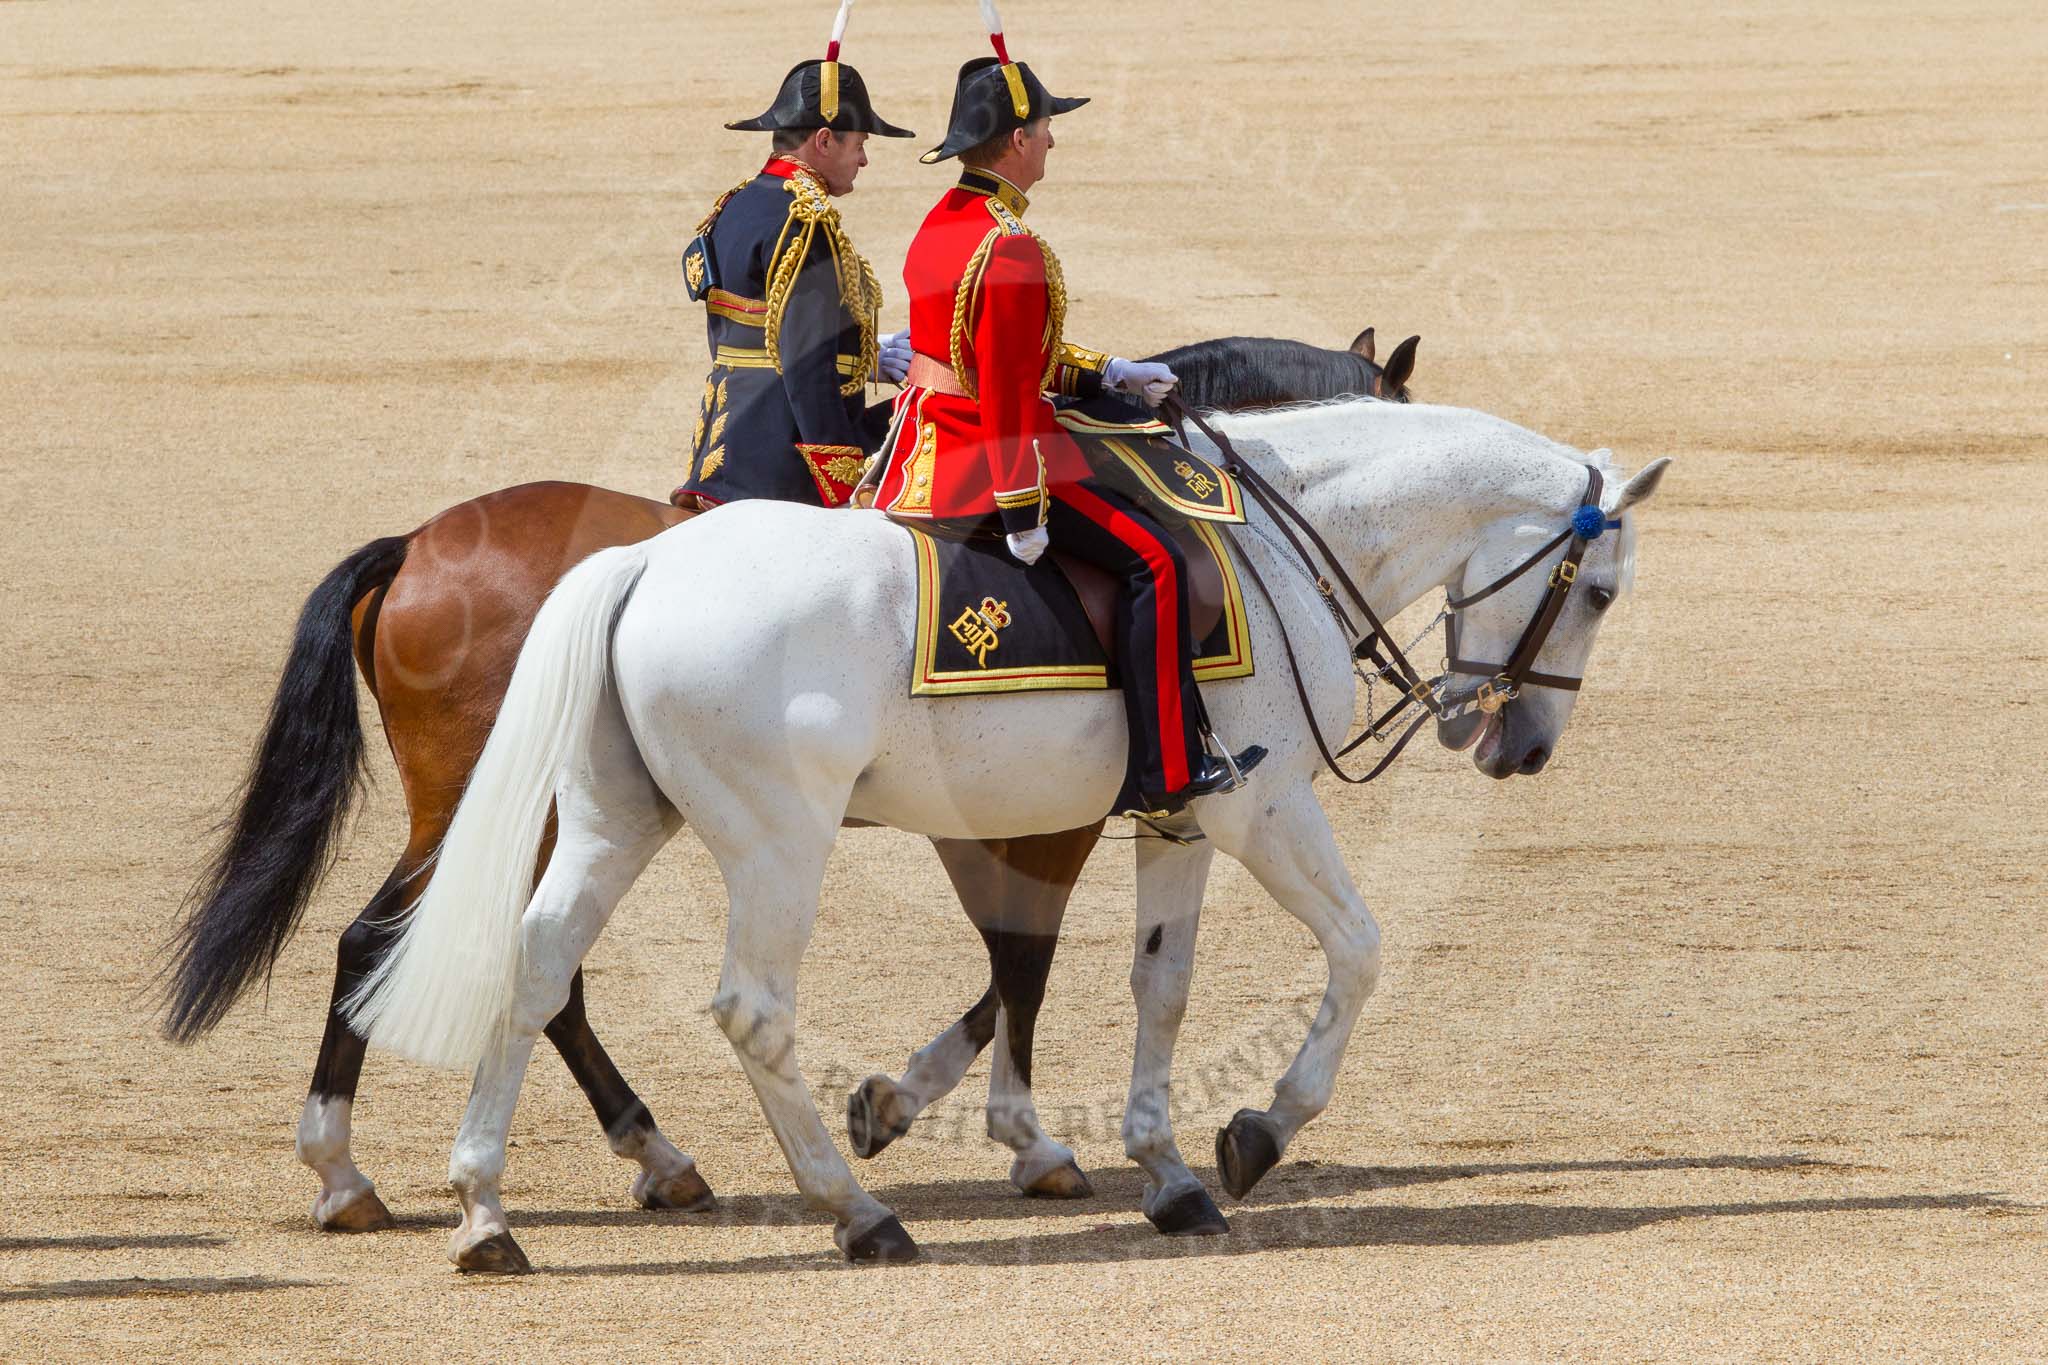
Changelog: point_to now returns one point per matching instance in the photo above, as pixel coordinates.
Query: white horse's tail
(443, 990)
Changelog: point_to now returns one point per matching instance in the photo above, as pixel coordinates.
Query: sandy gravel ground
(1722, 1039)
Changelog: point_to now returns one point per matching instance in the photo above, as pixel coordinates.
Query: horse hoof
(1192, 1213)
(886, 1243)
(684, 1190)
(1245, 1151)
(873, 1120)
(497, 1254)
(1061, 1182)
(363, 1212)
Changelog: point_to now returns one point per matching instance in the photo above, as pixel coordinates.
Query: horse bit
(1502, 682)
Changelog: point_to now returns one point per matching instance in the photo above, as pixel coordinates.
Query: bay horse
(433, 621)
(747, 678)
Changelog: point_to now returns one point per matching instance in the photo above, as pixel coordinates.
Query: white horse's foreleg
(612, 822)
(774, 885)
(1289, 848)
(1171, 878)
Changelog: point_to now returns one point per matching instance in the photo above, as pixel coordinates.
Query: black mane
(1252, 372)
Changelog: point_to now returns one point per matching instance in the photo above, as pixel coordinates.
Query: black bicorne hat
(822, 94)
(993, 97)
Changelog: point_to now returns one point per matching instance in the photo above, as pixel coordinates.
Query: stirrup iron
(1217, 749)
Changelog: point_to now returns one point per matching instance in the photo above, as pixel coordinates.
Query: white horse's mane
(1260, 424)
(1601, 459)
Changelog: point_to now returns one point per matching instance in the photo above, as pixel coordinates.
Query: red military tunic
(987, 303)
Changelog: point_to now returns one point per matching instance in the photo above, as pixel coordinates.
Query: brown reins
(1504, 682)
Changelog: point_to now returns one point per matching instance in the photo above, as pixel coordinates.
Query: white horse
(749, 678)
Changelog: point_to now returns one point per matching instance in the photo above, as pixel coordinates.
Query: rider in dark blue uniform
(792, 308)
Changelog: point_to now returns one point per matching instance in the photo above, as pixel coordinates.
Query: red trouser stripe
(1173, 750)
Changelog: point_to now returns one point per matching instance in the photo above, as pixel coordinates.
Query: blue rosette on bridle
(1589, 521)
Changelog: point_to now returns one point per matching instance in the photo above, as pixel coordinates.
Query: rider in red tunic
(977, 436)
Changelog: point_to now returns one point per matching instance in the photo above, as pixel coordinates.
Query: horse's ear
(1400, 366)
(1639, 488)
(1362, 345)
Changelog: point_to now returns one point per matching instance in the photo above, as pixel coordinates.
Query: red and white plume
(838, 31)
(995, 30)
(1020, 98)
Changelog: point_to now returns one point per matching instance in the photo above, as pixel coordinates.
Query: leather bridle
(1504, 682)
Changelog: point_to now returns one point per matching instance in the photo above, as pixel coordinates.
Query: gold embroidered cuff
(835, 469)
(1080, 357)
(1010, 502)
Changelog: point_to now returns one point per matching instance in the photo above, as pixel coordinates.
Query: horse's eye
(1601, 598)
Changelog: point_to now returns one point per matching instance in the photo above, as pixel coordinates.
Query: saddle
(988, 624)
(1095, 587)
(1181, 489)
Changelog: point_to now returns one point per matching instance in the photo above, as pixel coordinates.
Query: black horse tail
(306, 775)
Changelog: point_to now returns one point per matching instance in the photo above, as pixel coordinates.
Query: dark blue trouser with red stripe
(1154, 655)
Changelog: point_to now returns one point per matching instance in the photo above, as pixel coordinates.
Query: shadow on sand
(1118, 1190)
(134, 1287)
(1274, 1221)
(166, 1241)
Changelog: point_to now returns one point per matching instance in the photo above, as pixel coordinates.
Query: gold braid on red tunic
(967, 299)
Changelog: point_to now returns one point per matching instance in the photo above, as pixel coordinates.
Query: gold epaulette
(967, 299)
(718, 206)
(860, 293)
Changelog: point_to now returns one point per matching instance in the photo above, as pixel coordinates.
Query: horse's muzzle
(1463, 728)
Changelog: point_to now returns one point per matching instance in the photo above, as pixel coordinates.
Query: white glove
(893, 362)
(1029, 545)
(1141, 379)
